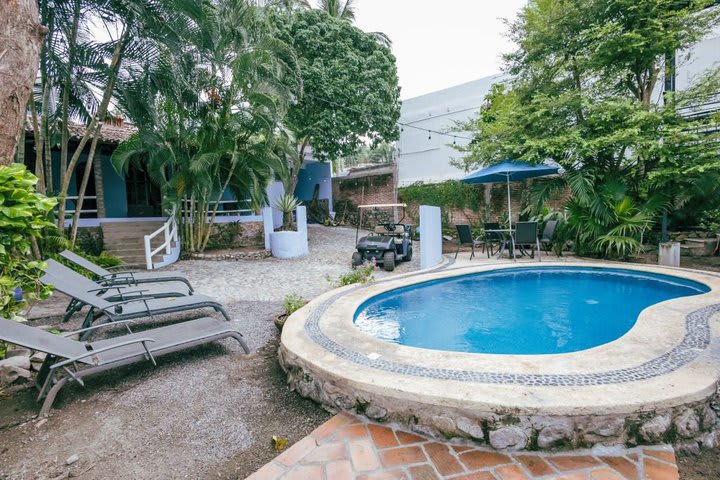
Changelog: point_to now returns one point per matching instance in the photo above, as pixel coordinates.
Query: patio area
(211, 413)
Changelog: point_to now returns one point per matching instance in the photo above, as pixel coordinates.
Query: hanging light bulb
(429, 135)
(453, 140)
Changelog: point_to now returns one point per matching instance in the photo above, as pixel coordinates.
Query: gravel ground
(209, 412)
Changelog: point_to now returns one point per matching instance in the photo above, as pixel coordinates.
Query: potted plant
(288, 242)
(292, 303)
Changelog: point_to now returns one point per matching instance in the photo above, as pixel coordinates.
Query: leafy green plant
(25, 216)
(225, 235)
(287, 205)
(710, 221)
(361, 274)
(292, 303)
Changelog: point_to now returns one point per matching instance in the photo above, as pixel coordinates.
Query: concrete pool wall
(656, 384)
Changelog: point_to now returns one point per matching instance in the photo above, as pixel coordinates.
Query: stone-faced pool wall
(689, 427)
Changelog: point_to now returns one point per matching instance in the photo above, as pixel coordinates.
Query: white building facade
(424, 157)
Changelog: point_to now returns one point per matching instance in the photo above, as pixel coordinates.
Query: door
(143, 197)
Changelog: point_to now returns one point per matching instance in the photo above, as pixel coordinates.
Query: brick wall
(364, 190)
(493, 198)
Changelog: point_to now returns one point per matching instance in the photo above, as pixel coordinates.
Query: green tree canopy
(587, 92)
(350, 92)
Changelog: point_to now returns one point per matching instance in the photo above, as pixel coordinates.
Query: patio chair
(110, 293)
(108, 277)
(526, 235)
(490, 238)
(465, 237)
(548, 234)
(71, 361)
(136, 304)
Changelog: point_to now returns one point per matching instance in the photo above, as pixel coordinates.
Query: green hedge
(450, 194)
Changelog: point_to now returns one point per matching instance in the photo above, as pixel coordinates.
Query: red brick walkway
(347, 447)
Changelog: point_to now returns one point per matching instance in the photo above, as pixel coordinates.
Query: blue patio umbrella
(509, 171)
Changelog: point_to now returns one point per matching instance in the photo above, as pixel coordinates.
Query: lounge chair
(68, 360)
(546, 240)
(107, 277)
(110, 293)
(135, 306)
(465, 237)
(526, 235)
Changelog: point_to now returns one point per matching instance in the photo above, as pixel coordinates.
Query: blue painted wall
(115, 192)
(312, 174)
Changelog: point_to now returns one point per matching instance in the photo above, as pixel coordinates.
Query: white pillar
(301, 219)
(268, 226)
(430, 236)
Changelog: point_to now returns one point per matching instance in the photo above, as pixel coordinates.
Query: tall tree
(21, 37)
(350, 92)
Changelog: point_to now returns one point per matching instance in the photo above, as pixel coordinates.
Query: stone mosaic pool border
(696, 339)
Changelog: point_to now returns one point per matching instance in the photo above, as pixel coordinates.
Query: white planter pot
(288, 244)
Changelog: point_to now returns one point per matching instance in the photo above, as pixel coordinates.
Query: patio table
(505, 232)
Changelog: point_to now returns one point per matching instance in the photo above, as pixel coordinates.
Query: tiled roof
(112, 134)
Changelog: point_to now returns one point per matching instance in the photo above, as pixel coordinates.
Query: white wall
(428, 160)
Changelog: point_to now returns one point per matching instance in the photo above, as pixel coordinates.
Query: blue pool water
(537, 310)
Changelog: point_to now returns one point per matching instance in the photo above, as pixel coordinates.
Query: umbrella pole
(512, 239)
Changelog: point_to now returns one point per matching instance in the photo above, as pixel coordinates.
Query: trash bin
(669, 254)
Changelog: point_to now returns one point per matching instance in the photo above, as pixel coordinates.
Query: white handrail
(170, 235)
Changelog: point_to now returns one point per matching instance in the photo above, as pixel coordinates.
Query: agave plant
(287, 205)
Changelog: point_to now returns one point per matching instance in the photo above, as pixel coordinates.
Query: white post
(301, 219)
(430, 236)
(148, 253)
(166, 234)
(268, 225)
(669, 254)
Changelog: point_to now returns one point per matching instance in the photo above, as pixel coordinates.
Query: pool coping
(668, 359)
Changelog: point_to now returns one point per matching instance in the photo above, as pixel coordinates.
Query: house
(128, 207)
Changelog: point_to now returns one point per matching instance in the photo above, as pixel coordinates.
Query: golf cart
(388, 244)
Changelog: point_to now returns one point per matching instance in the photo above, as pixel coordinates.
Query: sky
(441, 43)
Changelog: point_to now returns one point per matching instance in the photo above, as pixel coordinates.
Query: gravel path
(208, 412)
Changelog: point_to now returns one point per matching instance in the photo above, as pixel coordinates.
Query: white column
(301, 219)
(430, 236)
(268, 226)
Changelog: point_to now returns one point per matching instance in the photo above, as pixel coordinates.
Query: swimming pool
(646, 365)
(535, 310)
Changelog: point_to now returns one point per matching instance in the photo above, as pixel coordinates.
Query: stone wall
(689, 427)
(237, 234)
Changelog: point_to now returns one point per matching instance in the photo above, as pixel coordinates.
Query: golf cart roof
(381, 205)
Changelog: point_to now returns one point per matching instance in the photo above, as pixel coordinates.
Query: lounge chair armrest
(95, 327)
(90, 353)
(120, 291)
(118, 267)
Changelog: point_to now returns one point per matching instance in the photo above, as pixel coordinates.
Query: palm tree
(209, 116)
(344, 10)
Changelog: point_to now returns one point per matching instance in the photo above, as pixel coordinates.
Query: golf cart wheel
(408, 257)
(356, 260)
(389, 261)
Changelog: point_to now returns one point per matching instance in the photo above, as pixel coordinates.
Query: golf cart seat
(381, 230)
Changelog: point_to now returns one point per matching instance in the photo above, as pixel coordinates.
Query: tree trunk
(21, 37)
(99, 188)
(117, 59)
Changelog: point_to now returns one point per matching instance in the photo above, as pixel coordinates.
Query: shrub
(360, 274)
(710, 221)
(287, 205)
(292, 303)
(24, 217)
